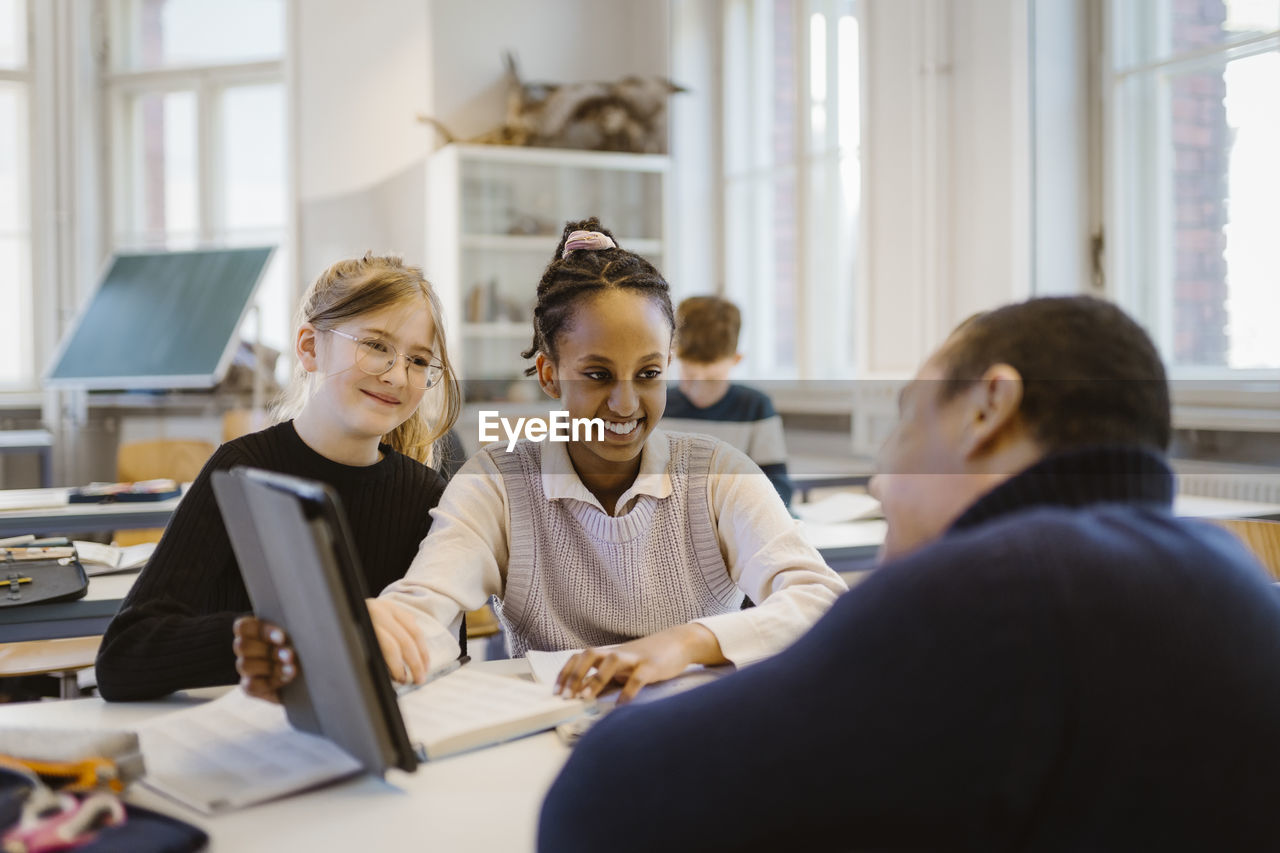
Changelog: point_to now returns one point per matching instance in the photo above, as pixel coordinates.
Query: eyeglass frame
(396, 355)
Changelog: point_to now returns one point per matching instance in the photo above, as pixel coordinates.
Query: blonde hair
(359, 286)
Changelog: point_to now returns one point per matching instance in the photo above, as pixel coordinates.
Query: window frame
(1235, 392)
(745, 170)
(29, 327)
(206, 82)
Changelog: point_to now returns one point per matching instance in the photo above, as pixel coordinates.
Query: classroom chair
(1260, 537)
(238, 422)
(61, 659)
(176, 458)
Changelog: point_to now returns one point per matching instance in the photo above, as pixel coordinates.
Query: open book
(472, 708)
(237, 751)
(99, 559)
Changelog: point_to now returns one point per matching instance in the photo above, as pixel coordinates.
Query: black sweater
(174, 628)
(1069, 668)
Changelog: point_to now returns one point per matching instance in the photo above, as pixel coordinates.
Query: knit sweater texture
(1069, 668)
(578, 577)
(744, 418)
(174, 629)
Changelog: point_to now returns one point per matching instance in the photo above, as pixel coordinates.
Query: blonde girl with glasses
(373, 394)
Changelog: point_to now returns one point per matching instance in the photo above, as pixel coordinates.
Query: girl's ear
(306, 346)
(547, 376)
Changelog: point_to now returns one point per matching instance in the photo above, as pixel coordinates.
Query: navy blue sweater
(744, 418)
(1069, 668)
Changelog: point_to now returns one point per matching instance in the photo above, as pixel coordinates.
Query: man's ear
(737, 359)
(548, 376)
(306, 346)
(995, 401)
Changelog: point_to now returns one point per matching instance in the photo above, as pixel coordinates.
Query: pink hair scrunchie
(592, 240)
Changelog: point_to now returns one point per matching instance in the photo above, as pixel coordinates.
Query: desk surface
(25, 439)
(51, 513)
(480, 801)
(849, 548)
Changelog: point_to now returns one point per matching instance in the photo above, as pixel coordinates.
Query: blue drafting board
(161, 320)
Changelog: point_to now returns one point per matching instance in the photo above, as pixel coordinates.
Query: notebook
(340, 716)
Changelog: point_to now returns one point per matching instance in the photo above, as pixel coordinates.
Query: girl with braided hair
(641, 540)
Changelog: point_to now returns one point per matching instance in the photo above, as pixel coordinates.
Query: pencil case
(41, 581)
(143, 490)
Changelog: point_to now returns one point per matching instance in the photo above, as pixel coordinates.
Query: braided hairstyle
(568, 281)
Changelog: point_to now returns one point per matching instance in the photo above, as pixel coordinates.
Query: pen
(409, 686)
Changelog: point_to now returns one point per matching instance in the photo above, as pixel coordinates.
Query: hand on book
(264, 658)
(404, 647)
(657, 657)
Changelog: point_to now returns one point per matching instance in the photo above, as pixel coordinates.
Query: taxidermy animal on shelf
(626, 115)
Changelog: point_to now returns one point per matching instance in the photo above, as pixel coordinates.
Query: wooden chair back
(1260, 537)
(177, 458)
(238, 422)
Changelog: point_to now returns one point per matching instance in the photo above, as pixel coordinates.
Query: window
(197, 105)
(17, 357)
(1194, 188)
(792, 182)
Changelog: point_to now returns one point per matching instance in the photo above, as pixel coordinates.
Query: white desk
(84, 617)
(1195, 506)
(849, 548)
(487, 800)
(51, 513)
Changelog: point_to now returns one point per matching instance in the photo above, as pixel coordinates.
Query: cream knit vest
(577, 577)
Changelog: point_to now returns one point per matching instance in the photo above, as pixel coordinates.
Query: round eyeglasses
(375, 357)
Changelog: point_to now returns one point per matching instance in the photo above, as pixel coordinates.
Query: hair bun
(591, 240)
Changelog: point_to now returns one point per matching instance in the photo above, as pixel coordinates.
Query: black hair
(566, 282)
(1090, 374)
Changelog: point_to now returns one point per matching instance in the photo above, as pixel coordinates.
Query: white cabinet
(494, 217)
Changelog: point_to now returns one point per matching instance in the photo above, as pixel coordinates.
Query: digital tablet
(302, 573)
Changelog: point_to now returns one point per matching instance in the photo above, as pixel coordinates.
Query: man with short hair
(1047, 660)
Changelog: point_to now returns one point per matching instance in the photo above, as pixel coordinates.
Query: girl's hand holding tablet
(264, 658)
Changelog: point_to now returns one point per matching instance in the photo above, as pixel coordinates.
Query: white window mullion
(804, 147)
(211, 222)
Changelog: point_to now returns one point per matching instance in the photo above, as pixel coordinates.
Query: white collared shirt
(463, 560)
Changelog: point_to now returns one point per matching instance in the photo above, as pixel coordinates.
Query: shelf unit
(494, 215)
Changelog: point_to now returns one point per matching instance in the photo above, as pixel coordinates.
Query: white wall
(553, 40)
(947, 170)
(363, 72)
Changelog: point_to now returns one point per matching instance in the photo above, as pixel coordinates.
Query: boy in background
(707, 402)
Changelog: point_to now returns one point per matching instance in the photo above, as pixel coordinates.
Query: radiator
(1237, 482)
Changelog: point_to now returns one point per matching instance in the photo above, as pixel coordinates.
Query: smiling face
(611, 361)
(350, 409)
